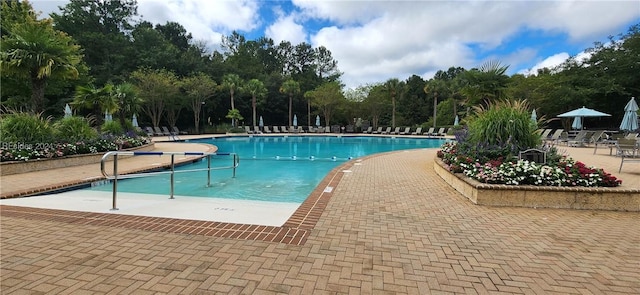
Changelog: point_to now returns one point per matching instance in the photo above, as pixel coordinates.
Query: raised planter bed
(16, 167)
(599, 198)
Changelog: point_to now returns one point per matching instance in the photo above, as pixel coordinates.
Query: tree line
(101, 56)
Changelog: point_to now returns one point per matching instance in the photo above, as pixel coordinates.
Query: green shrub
(73, 129)
(505, 123)
(25, 128)
(112, 127)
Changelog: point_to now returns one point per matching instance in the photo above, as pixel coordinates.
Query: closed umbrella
(456, 121)
(261, 122)
(317, 120)
(295, 120)
(577, 123)
(67, 111)
(534, 116)
(107, 117)
(134, 121)
(630, 119)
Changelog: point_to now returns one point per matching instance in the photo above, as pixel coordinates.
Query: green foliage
(112, 127)
(72, 129)
(234, 115)
(25, 128)
(504, 123)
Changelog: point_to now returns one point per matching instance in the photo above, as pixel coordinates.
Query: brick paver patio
(390, 226)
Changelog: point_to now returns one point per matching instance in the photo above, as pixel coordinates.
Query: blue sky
(377, 40)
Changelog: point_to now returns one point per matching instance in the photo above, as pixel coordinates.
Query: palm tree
(290, 87)
(256, 88)
(435, 87)
(128, 101)
(393, 87)
(233, 83)
(35, 51)
(96, 99)
(488, 84)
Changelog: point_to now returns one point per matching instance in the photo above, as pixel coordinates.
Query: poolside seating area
(432, 132)
(626, 146)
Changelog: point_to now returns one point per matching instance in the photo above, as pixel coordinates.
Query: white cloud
(377, 40)
(205, 20)
(549, 62)
(285, 28)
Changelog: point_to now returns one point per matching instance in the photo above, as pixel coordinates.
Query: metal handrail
(116, 176)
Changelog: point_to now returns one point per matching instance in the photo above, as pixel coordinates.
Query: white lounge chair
(406, 131)
(417, 132)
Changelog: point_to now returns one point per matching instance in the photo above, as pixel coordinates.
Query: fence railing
(115, 176)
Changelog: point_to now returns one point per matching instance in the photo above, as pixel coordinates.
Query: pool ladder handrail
(116, 176)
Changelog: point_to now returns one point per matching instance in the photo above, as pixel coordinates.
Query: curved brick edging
(17, 167)
(599, 198)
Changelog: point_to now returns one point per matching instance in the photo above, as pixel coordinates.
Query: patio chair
(157, 131)
(406, 131)
(327, 129)
(443, 131)
(149, 131)
(171, 135)
(545, 133)
(284, 129)
(555, 137)
(256, 130)
(632, 135)
(579, 140)
(596, 137)
(627, 150)
(378, 131)
(266, 129)
(248, 130)
(275, 129)
(386, 131)
(417, 132)
(395, 131)
(430, 132)
(177, 131)
(368, 131)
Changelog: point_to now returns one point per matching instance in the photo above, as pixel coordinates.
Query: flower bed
(30, 151)
(532, 196)
(17, 167)
(564, 172)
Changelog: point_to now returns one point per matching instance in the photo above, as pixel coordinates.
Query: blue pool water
(272, 168)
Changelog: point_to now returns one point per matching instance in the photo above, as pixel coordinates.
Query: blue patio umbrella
(67, 111)
(317, 120)
(107, 117)
(630, 119)
(261, 122)
(456, 121)
(582, 113)
(134, 121)
(295, 120)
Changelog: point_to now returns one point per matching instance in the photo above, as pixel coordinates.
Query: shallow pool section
(272, 168)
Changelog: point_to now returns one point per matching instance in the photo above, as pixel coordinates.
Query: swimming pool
(272, 168)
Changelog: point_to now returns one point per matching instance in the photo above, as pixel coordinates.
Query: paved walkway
(390, 226)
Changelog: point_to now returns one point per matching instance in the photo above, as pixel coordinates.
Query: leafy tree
(198, 88)
(35, 51)
(157, 88)
(291, 88)
(152, 50)
(413, 106)
(15, 12)
(376, 103)
(98, 100)
(233, 83)
(102, 29)
(327, 97)
(257, 90)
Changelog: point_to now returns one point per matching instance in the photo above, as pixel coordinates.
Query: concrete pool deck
(391, 225)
